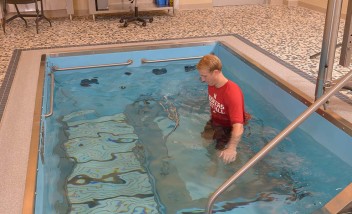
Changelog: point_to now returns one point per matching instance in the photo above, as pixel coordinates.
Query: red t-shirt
(226, 104)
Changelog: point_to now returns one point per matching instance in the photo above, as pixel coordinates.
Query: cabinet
(116, 6)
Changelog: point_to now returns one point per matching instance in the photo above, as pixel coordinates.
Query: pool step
(107, 176)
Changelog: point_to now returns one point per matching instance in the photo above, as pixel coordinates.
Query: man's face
(208, 77)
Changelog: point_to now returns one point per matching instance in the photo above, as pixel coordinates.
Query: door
(102, 4)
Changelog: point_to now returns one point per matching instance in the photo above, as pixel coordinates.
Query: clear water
(132, 144)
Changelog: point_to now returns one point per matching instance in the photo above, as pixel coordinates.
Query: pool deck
(288, 36)
(18, 126)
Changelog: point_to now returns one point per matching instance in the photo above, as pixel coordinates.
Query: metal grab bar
(301, 118)
(171, 59)
(52, 84)
(55, 68)
(328, 49)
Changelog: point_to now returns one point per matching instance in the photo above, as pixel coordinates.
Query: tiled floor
(290, 33)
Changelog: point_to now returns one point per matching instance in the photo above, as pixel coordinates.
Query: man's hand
(228, 155)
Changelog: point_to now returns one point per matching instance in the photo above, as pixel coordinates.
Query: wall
(321, 5)
(192, 4)
(80, 7)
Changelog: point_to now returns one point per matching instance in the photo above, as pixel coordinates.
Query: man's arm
(229, 154)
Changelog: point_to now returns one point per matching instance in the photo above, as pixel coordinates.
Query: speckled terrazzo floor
(291, 33)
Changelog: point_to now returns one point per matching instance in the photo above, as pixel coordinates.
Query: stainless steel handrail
(52, 84)
(171, 59)
(328, 49)
(54, 68)
(301, 118)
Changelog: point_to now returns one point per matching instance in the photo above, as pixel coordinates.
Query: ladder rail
(328, 49)
(262, 153)
(171, 59)
(52, 85)
(55, 68)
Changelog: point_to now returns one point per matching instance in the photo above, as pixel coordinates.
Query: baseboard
(317, 8)
(56, 13)
(63, 13)
(195, 6)
(220, 3)
(312, 7)
(82, 13)
(291, 3)
(274, 2)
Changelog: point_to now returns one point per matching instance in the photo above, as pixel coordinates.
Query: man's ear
(216, 71)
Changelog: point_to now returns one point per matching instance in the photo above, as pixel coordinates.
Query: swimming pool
(152, 135)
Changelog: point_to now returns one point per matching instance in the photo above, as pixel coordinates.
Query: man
(226, 106)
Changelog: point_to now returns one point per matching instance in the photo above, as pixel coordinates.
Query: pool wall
(326, 133)
(136, 56)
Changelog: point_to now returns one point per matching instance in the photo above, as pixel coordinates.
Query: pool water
(128, 140)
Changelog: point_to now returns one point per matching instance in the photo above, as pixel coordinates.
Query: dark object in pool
(122, 87)
(189, 68)
(93, 203)
(159, 71)
(128, 73)
(87, 82)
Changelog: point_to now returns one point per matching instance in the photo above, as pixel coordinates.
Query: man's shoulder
(233, 91)
(233, 85)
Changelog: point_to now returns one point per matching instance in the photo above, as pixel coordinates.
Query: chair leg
(144, 23)
(3, 20)
(37, 23)
(38, 17)
(47, 20)
(3, 25)
(20, 15)
(136, 17)
(42, 13)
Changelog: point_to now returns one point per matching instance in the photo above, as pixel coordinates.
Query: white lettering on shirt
(216, 106)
